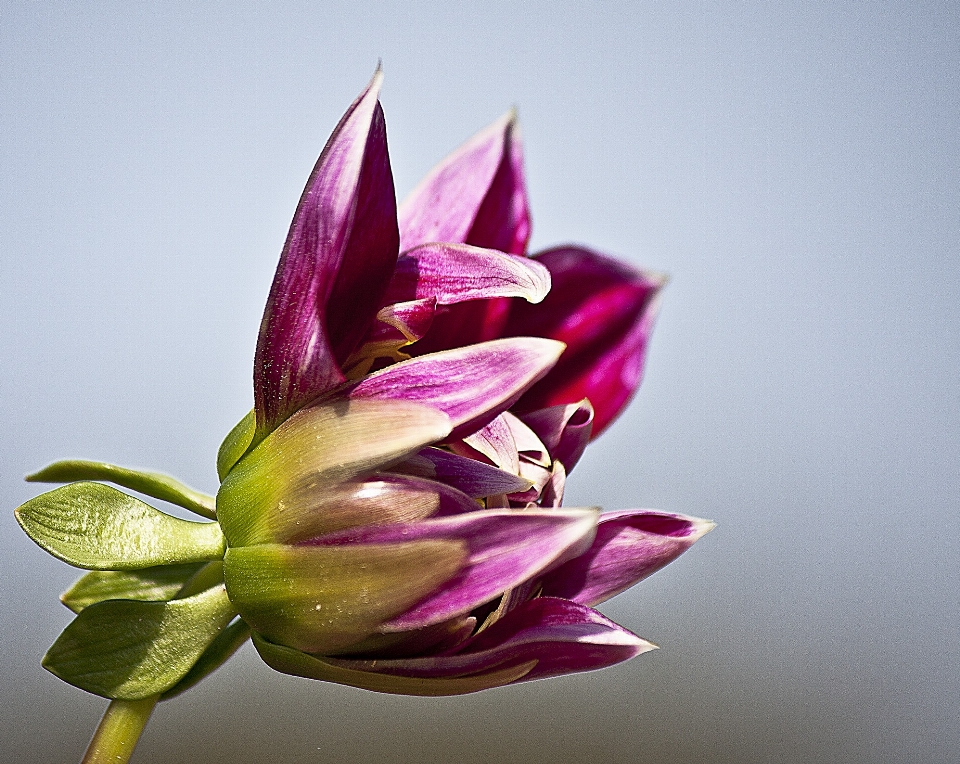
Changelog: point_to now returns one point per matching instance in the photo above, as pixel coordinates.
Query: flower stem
(119, 731)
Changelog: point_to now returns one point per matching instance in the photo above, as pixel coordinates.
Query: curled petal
(496, 442)
(565, 429)
(334, 268)
(476, 479)
(453, 273)
(630, 545)
(561, 637)
(505, 548)
(475, 196)
(471, 385)
(604, 310)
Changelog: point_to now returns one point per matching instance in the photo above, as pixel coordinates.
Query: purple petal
(472, 385)
(630, 545)
(474, 196)
(564, 429)
(604, 311)
(476, 479)
(505, 548)
(334, 268)
(453, 273)
(561, 637)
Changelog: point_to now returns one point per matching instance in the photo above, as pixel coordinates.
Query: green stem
(119, 731)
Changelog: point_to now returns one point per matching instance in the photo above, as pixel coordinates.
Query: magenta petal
(505, 548)
(630, 545)
(564, 429)
(453, 273)
(604, 311)
(334, 268)
(471, 385)
(562, 637)
(476, 479)
(474, 196)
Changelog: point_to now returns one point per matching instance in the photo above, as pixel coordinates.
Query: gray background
(794, 166)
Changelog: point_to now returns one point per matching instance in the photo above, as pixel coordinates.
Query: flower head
(389, 514)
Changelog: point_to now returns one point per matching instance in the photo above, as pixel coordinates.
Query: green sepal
(127, 650)
(148, 584)
(153, 484)
(236, 443)
(226, 643)
(94, 526)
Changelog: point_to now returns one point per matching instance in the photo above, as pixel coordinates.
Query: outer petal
(505, 548)
(472, 385)
(604, 311)
(561, 637)
(629, 546)
(315, 449)
(334, 267)
(475, 196)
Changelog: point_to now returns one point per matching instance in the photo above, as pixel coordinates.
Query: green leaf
(153, 484)
(236, 443)
(149, 584)
(226, 644)
(129, 650)
(93, 526)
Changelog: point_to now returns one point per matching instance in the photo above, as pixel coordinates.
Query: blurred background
(794, 166)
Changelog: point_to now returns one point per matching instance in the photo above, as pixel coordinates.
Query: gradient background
(794, 166)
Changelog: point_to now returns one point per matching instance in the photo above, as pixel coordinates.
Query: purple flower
(390, 524)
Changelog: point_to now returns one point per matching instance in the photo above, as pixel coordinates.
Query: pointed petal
(529, 445)
(472, 385)
(316, 448)
(630, 545)
(293, 662)
(475, 196)
(561, 637)
(505, 548)
(564, 429)
(335, 266)
(604, 310)
(454, 273)
(476, 479)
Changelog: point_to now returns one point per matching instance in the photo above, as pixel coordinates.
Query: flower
(389, 514)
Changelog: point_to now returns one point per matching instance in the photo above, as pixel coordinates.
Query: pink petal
(505, 548)
(495, 441)
(453, 273)
(474, 196)
(472, 385)
(630, 545)
(476, 479)
(334, 268)
(604, 311)
(562, 637)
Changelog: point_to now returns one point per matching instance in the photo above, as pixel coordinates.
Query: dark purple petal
(476, 479)
(505, 548)
(604, 311)
(630, 545)
(564, 429)
(474, 196)
(334, 268)
(472, 385)
(562, 637)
